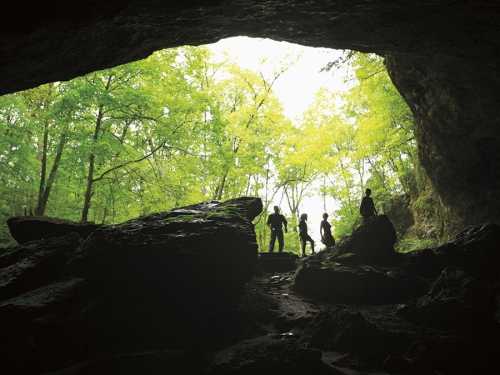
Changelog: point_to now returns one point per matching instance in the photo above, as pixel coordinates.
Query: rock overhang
(442, 56)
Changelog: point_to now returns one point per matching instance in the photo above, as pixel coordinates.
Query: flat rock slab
(32, 228)
(356, 284)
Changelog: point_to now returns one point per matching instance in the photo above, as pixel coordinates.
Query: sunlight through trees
(181, 127)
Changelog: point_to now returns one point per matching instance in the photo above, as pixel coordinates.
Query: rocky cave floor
(295, 334)
(186, 292)
(286, 319)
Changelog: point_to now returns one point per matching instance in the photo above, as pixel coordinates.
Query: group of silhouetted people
(277, 223)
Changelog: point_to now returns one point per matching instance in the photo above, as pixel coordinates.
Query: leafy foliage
(178, 128)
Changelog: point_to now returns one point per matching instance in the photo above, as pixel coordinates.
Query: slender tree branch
(128, 162)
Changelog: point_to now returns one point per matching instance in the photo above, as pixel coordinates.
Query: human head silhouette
(368, 192)
(276, 210)
(325, 216)
(303, 217)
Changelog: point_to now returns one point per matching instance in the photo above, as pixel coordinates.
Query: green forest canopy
(178, 128)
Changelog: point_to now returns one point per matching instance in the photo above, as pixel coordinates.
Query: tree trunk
(90, 175)
(44, 197)
(91, 163)
(220, 187)
(40, 207)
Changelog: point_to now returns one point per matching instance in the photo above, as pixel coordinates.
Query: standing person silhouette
(304, 236)
(276, 222)
(325, 230)
(367, 208)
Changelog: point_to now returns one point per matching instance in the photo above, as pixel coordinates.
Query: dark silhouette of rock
(186, 269)
(348, 330)
(153, 362)
(372, 241)
(209, 245)
(277, 262)
(364, 268)
(29, 266)
(456, 300)
(278, 354)
(170, 280)
(39, 329)
(32, 228)
(356, 284)
(475, 250)
(166, 291)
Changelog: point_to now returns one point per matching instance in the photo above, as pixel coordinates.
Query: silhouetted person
(276, 222)
(304, 236)
(325, 230)
(367, 208)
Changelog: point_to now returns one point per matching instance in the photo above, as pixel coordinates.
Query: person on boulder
(276, 223)
(325, 230)
(304, 236)
(367, 208)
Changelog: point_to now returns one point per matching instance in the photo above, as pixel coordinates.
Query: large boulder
(172, 276)
(179, 254)
(356, 283)
(32, 228)
(373, 240)
(169, 280)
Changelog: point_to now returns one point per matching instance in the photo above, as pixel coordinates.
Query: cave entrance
(447, 71)
(307, 129)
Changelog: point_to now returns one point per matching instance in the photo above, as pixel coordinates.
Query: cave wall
(442, 55)
(456, 104)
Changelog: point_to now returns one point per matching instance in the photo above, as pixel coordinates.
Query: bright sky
(296, 89)
(298, 85)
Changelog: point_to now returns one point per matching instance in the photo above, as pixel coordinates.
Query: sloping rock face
(167, 280)
(443, 57)
(31, 228)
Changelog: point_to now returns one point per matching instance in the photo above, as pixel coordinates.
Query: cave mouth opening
(307, 129)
